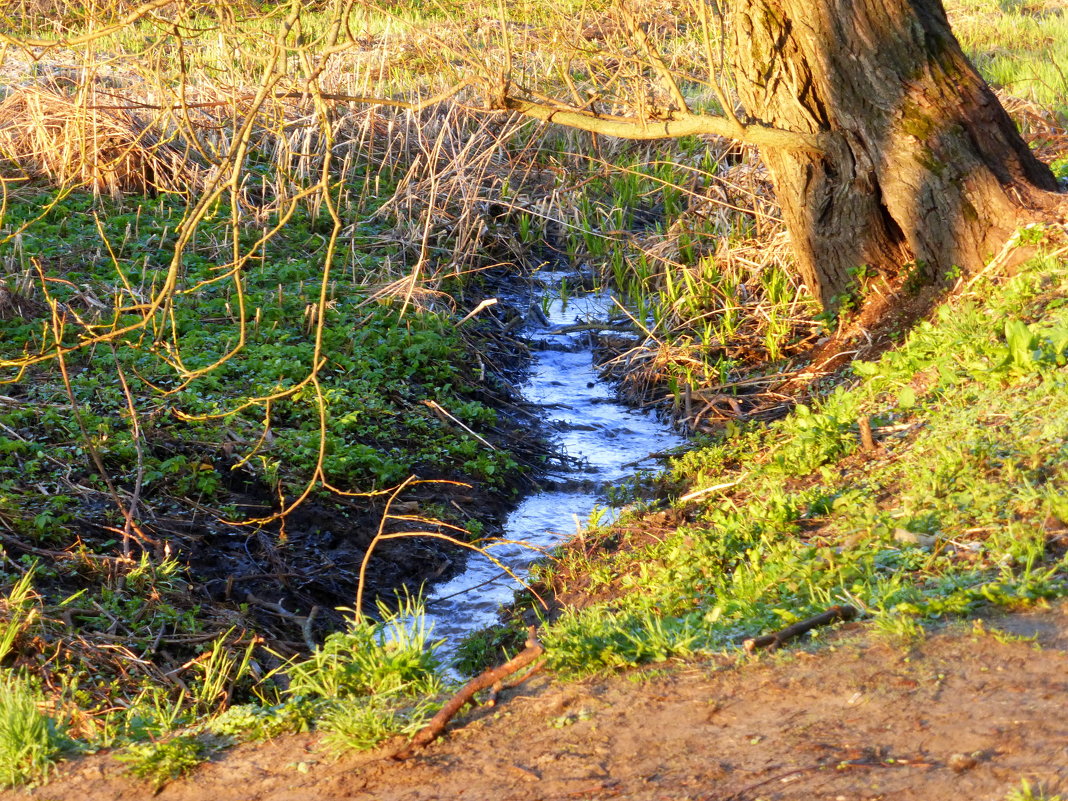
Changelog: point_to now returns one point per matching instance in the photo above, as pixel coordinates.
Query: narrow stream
(605, 437)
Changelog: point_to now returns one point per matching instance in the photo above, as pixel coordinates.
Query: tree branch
(675, 128)
(437, 725)
(640, 38)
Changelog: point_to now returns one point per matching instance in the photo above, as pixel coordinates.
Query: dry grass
(72, 141)
(449, 204)
(1043, 129)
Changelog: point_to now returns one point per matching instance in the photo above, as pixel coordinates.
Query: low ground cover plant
(960, 505)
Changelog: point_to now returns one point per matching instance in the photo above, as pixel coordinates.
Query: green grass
(376, 680)
(250, 722)
(390, 656)
(957, 512)
(358, 724)
(970, 409)
(30, 740)
(1019, 45)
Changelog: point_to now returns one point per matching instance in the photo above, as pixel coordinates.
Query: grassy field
(241, 305)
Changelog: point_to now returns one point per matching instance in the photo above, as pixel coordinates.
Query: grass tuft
(391, 656)
(359, 724)
(166, 760)
(30, 740)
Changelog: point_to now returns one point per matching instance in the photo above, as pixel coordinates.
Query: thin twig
(440, 410)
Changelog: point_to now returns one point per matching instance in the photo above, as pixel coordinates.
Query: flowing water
(605, 437)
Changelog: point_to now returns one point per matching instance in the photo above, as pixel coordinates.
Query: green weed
(161, 762)
(246, 722)
(486, 647)
(358, 724)
(899, 629)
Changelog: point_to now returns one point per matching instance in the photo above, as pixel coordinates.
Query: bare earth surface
(962, 714)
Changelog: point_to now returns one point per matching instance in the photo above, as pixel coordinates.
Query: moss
(926, 158)
(917, 122)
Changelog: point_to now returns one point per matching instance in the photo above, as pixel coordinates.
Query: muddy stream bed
(606, 443)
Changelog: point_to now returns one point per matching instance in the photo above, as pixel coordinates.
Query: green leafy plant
(160, 762)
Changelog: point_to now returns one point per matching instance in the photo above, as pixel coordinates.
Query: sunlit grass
(963, 506)
(686, 234)
(30, 741)
(1019, 45)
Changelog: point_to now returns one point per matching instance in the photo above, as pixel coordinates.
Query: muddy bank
(970, 712)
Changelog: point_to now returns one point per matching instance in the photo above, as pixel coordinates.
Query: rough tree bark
(923, 165)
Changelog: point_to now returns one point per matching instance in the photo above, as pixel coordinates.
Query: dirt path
(962, 714)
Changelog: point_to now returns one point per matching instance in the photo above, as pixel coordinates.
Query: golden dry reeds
(74, 140)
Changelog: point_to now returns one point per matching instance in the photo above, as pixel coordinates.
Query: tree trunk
(925, 171)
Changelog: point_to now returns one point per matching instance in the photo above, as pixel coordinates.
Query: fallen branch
(488, 678)
(776, 639)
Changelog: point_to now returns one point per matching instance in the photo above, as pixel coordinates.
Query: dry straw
(73, 141)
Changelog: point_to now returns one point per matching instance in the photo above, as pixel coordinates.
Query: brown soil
(961, 714)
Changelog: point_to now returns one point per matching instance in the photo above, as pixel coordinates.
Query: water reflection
(605, 436)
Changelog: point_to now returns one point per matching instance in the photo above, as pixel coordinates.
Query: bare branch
(679, 126)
